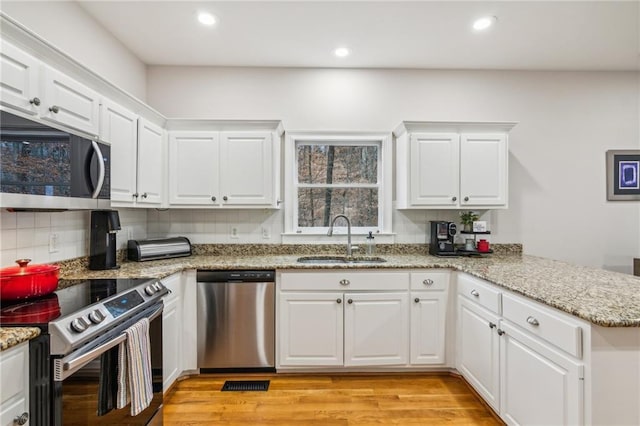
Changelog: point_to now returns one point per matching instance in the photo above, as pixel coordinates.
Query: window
(332, 174)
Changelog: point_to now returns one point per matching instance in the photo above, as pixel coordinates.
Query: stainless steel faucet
(330, 232)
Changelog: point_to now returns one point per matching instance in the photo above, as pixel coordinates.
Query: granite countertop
(601, 297)
(12, 336)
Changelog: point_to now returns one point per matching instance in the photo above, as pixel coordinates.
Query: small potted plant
(467, 218)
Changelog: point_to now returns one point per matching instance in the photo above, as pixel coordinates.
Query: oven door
(85, 381)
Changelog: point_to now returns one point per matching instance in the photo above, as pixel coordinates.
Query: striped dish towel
(134, 369)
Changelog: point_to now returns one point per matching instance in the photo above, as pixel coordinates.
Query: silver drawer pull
(533, 321)
(344, 282)
(475, 293)
(492, 325)
(501, 332)
(428, 281)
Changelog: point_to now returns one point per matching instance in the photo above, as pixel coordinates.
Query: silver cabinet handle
(350, 301)
(454, 198)
(417, 300)
(533, 321)
(501, 332)
(345, 282)
(213, 198)
(339, 301)
(466, 198)
(492, 325)
(135, 195)
(428, 281)
(36, 102)
(54, 109)
(144, 195)
(225, 198)
(21, 419)
(475, 293)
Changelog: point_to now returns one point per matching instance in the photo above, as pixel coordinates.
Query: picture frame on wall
(623, 175)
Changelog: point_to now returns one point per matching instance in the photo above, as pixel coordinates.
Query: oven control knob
(157, 286)
(79, 325)
(96, 316)
(149, 290)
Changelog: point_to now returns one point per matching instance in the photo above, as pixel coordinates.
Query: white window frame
(385, 163)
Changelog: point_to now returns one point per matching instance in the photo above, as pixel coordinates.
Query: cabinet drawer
(14, 366)
(481, 293)
(432, 280)
(344, 280)
(544, 323)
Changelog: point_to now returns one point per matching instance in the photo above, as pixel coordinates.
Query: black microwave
(48, 168)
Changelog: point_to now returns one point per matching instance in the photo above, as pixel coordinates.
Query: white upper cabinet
(69, 102)
(483, 169)
(246, 168)
(211, 166)
(452, 165)
(193, 171)
(19, 72)
(119, 128)
(151, 169)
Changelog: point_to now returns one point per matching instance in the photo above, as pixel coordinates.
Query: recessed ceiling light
(342, 52)
(484, 23)
(206, 18)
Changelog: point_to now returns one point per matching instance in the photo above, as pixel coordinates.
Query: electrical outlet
(234, 232)
(266, 233)
(54, 242)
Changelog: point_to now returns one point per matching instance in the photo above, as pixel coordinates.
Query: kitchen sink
(339, 259)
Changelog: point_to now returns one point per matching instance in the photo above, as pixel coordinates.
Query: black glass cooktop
(76, 295)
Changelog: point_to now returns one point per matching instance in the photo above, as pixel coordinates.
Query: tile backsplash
(28, 234)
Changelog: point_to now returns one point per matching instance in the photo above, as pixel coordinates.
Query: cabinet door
(14, 388)
(19, 76)
(434, 169)
(428, 316)
(171, 344)
(310, 329)
(193, 168)
(247, 168)
(538, 385)
(483, 169)
(119, 128)
(151, 166)
(376, 329)
(478, 350)
(70, 103)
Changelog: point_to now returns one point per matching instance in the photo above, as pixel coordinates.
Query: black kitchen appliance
(44, 167)
(73, 363)
(442, 236)
(102, 249)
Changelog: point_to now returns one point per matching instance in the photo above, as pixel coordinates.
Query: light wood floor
(404, 399)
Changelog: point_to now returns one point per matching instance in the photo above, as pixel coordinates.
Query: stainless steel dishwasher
(236, 320)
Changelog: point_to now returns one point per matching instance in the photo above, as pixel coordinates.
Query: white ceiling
(536, 35)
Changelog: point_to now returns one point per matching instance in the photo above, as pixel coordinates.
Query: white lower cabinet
(14, 389)
(311, 329)
(171, 332)
(429, 301)
(509, 352)
(376, 329)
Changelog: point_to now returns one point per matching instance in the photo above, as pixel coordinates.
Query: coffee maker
(442, 235)
(102, 249)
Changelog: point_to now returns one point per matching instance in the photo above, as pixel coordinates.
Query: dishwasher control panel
(235, 276)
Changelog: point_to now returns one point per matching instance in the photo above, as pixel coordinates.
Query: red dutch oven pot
(24, 281)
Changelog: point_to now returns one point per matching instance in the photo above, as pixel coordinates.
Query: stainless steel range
(75, 359)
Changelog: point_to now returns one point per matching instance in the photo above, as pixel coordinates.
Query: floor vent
(245, 385)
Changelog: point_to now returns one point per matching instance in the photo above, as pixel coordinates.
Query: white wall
(69, 28)
(567, 120)
(26, 234)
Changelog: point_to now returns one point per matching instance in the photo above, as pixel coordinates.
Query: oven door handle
(65, 367)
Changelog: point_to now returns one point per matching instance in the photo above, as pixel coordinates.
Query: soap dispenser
(370, 246)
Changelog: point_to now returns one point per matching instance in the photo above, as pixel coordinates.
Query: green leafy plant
(467, 217)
